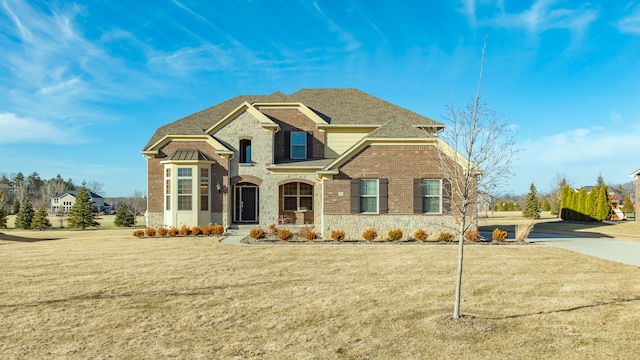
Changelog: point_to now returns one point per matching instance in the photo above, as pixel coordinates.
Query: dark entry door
(246, 204)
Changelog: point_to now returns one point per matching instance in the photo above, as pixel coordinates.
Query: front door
(246, 203)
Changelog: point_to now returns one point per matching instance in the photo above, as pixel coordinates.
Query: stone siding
(355, 225)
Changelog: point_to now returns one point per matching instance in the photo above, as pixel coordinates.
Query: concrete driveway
(622, 251)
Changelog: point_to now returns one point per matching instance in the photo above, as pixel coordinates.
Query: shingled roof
(335, 106)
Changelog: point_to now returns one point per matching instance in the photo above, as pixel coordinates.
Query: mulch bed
(302, 241)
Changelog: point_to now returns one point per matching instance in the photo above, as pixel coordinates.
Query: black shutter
(287, 144)
(383, 192)
(417, 196)
(309, 145)
(355, 196)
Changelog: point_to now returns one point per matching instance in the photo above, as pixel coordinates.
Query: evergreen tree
(25, 215)
(532, 204)
(546, 206)
(571, 209)
(40, 220)
(81, 214)
(3, 218)
(593, 204)
(604, 204)
(582, 206)
(15, 208)
(627, 206)
(124, 216)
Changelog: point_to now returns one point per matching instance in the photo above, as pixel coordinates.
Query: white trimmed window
(204, 189)
(369, 196)
(298, 145)
(431, 195)
(167, 188)
(185, 188)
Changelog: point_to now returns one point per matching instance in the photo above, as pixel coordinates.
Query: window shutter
(383, 192)
(355, 196)
(417, 196)
(287, 144)
(309, 145)
(446, 196)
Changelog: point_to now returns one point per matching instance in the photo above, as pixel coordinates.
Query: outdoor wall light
(218, 187)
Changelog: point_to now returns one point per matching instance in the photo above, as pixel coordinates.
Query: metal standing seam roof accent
(188, 155)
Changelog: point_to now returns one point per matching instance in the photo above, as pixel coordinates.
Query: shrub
(499, 235)
(138, 233)
(310, 234)
(395, 235)
(272, 230)
(150, 231)
(369, 234)
(217, 229)
(446, 236)
(173, 231)
(284, 234)
(257, 233)
(472, 235)
(523, 230)
(207, 230)
(195, 231)
(420, 235)
(184, 230)
(162, 231)
(337, 235)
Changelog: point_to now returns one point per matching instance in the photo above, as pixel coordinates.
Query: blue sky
(84, 85)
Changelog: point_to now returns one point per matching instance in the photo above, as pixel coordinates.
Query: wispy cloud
(630, 24)
(16, 129)
(349, 41)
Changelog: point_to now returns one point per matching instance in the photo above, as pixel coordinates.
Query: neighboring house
(63, 202)
(334, 159)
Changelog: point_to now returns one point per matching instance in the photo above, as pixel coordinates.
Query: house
(334, 159)
(63, 202)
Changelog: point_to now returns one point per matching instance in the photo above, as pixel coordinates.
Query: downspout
(228, 185)
(322, 208)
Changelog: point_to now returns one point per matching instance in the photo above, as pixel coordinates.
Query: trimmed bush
(284, 234)
(207, 230)
(446, 236)
(138, 233)
(184, 230)
(472, 235)
(257, 233)
(499, 235)
(173, 231)
(307, 233)
(369, 235)
(195, 231)
(150, 231)
(163, 231)
(395, 235)
(217, 229)
(420, 235)
(337, 235)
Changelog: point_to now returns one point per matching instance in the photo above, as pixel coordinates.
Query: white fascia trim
(262, 118)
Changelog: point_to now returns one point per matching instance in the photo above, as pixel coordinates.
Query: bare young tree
(136, 204)
(476, 153)
(95, 187)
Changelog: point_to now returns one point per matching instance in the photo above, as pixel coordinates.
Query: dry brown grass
(98, 294)
(627, 230)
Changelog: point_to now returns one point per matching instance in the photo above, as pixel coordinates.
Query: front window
(167, 189)
(204, 189)
(297, 197)
(431, 195)
(368, 195)
(298, 145)
(184, 188)
(245, 151)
